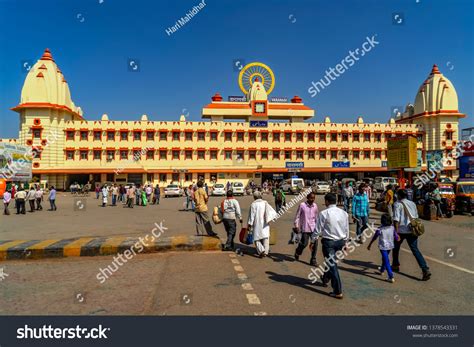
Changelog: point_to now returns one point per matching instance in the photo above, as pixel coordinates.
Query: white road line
(242, 276)
(235, 261)
(443, 262)
(238, 268)
(247, 286)
(260, 313)
(253, 299)
(438, 261)
(232, 255)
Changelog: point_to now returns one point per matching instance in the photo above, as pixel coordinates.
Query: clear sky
(92, 41)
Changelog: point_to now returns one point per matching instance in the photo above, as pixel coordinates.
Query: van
(292, 185)
(381, 183)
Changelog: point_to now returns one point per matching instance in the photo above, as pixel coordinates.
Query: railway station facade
(242, 138)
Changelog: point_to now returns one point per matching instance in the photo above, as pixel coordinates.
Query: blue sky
(92, 42)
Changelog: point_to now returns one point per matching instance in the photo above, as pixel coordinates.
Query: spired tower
(44, 107)
(436, 108)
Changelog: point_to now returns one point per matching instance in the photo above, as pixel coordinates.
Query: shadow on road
(296, 281)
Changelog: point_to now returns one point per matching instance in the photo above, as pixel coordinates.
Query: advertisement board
(419, 162)
(401, 152)
(15, 162)
(466, 168)
(434, 159)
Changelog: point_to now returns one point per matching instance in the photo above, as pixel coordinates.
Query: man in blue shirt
(360, 210)
(52, 199)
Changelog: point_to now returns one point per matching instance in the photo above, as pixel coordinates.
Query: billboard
(401, 152)
(15, 162)
(466, 168)
(419, 162)
(434, 159)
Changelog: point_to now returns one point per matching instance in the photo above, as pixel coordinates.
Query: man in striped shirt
(360, 210)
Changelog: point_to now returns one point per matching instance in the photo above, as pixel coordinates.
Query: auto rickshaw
(465, 197)
(448, 199)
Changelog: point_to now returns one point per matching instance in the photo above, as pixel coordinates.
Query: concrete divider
(97, 246)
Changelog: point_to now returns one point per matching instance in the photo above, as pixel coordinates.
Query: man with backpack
(280, 198)
(230, 211)
(405, 220)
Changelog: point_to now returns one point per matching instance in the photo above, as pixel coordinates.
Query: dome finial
(47, 55)
(435, 69)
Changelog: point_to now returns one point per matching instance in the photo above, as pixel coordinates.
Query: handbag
(249, 239)
(416, 225)
(243, 235)
(215, 216)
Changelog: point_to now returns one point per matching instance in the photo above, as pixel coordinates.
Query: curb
(99, 246)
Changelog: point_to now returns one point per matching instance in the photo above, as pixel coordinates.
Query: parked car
(173, 190)
(292, 185)
(218, 189)
(322, 187)
(381, 183)
(465, 197)
(129, 185)
(238, 188)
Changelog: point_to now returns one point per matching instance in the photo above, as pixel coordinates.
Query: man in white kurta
(261, 213)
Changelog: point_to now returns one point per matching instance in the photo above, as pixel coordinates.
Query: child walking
(387, 237)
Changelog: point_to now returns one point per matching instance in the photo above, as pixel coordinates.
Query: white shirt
(39, 194)
(401, 217)
(333, 224)
(258, 219)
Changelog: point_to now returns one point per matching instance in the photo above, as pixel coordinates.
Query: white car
(173, 190)
(238, 188)
(292, 185)
(381, 183)
(322, 187)
(218, 189)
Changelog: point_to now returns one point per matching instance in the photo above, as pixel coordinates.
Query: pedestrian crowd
(23, 197)
(312, 226)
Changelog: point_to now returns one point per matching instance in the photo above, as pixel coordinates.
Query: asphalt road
(226, 283)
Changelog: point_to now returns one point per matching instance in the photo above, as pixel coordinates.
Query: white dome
(436, 94)
(257, 91)
(45, 86)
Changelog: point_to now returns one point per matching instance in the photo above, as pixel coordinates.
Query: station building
(249, 137)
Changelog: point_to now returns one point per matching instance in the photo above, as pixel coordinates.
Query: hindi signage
(292, 165)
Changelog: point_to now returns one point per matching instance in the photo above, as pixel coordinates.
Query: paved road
(223, 283)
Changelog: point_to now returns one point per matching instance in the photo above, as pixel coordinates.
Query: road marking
(438, 261)
(253, 299)
(247, 286)
(242, 276)
(443, 262)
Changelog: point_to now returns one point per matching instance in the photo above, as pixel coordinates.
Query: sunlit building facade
(250, 137)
